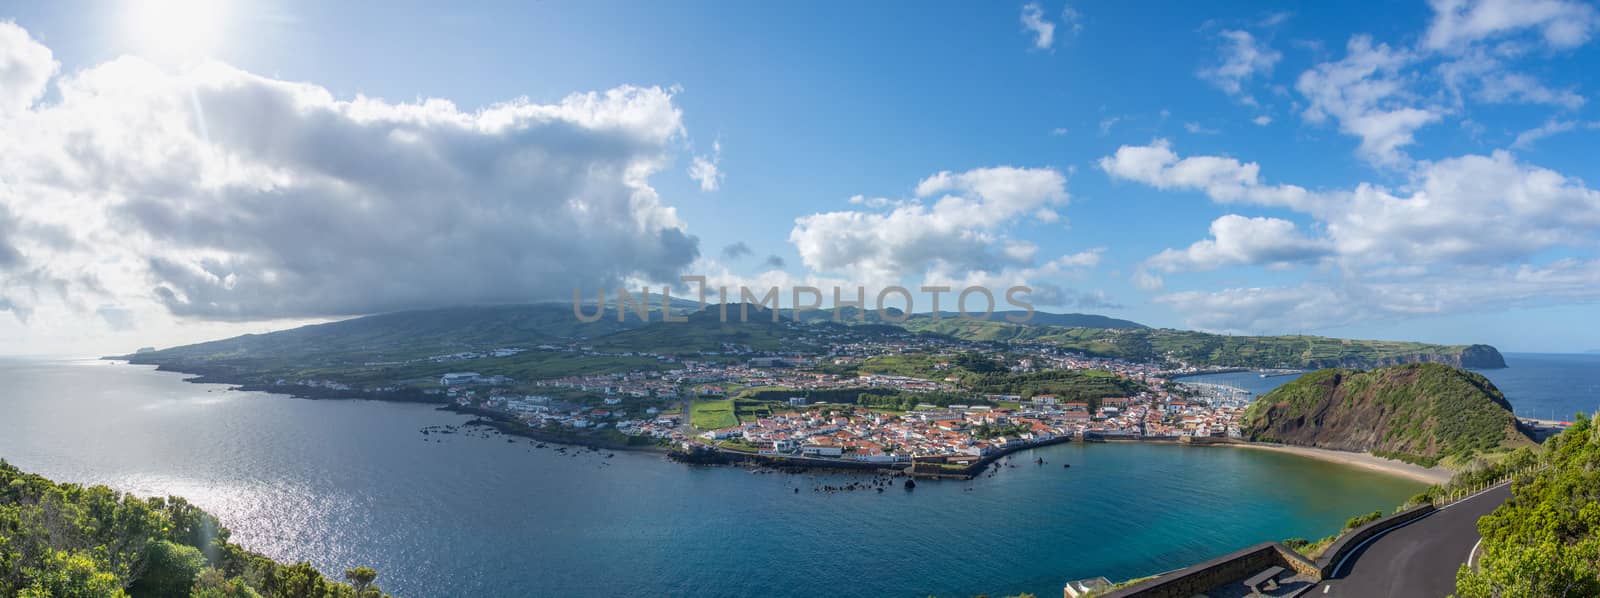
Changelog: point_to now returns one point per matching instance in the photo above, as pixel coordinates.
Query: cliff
(1422, 412)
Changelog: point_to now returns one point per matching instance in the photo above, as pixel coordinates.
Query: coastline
(1433, 475)
(1427, 475)
(1368, 461)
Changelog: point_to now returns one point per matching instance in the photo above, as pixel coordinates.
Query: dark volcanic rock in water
(911, 484)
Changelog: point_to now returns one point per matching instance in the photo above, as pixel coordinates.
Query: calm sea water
(1544, 385)
(345, 483)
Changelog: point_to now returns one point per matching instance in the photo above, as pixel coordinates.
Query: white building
(459, 378)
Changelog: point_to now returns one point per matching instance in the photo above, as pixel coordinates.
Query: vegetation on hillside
(1067, 385)
(1422, 413)
(71, 541)
(376, 350)
(930, 366)
(1545, 541)
(706, 331)
(1204, 349)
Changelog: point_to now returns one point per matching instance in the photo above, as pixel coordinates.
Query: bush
(1360, 520)
(171, 570)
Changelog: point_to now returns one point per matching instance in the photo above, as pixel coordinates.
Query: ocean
(347, 483)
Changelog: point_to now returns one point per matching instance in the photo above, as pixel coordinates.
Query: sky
(176, 170)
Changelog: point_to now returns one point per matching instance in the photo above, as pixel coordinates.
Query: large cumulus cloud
(1471, 232)
(963, 230)
(220, 194)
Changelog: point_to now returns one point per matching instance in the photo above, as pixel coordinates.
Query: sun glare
(178, 30)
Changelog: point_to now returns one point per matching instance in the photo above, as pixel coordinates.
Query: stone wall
(1244, 563)
(1218, 571)
(1352, 539)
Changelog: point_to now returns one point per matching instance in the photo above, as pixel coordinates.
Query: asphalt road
(1417, 560)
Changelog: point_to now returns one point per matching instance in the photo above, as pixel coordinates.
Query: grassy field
(712, 415)
(748, 410)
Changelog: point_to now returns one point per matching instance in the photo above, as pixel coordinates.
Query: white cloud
(1508, 87)
(1223, 179)
(1237, 240)
(1459, 224)
(1145, 281)
(1526, 139)
(26, 67)
(1071, 19)
(1199, 129)
(962, 231)
(1262, 120)
(1325, 304)
(1242, 59)
(1108, 122)
(1366, 94)
(705, 169)
(1033, 21)
(1046, 280)
(1082, 259)
(1561, 24)
(1471, 209)
(217, 194)
(1058, 131)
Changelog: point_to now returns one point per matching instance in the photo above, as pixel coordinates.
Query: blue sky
(1389, 170)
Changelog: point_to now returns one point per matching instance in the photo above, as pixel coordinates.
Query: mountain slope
(1423, 413)
(408, 334)
(1193, 348)
(997, 319)
(336, 349)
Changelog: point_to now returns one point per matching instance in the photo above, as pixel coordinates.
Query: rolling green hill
(1204, 349)
(706, 332)
(1424, 413)
(404, 335)
(380, 349)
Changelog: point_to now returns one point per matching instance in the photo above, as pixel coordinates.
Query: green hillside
(404, 335)
(1068, 385)
(395, 348)
(1424, 413)
(919, 321)
(706, 332)
(1204, 349)
(1545, 541)
(66, 540)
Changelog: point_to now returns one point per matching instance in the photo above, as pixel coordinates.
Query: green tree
(71, 575)
(361, 579)
(171, 570)
(213, 583)
(299, 580)
(1545, 541)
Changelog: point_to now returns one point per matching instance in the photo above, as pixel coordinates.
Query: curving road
(1416, 560)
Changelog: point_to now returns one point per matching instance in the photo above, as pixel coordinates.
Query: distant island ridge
(1087, 333)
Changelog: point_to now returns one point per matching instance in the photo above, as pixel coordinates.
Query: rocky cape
(1424, 413)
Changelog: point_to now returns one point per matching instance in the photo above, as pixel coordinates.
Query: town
(879, 401)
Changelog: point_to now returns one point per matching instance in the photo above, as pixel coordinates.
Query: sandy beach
(1429, 475)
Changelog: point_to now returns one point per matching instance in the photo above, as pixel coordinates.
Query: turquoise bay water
(345, 483)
